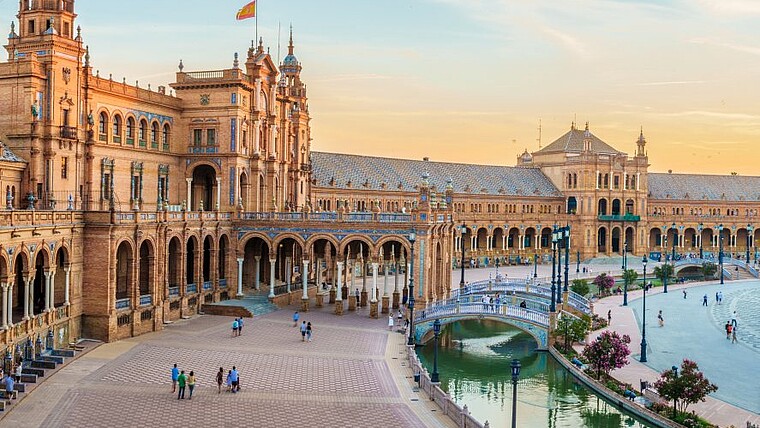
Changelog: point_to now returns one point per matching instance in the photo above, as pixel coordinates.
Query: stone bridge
(691, 263)
(508, 289)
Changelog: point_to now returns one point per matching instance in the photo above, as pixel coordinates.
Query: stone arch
(616, 242)
(174, 261)
(288, 235)
(348, 240)
(203, 187)
(244, 189)
(481, 239)
(208, 247)
(601, 240)
(309, 243)
(21, 271)
(602, 207)
(61, 262)
(498, 238)
(629, 243)
(191, 250)
(242, 242)
(616, 207)
(222, 257)
(256, 245)
(655, 237)
(5, 267)
(124, 256)
(146, 268)
(529, 238)
(513, 239)
(546, 237)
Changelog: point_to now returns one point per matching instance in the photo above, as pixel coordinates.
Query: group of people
(731, 327)
(306, 328)
(489, 301)
(399, 315)
(182, 381)
(237, 327)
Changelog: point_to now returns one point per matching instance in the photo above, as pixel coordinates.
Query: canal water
(473, 362)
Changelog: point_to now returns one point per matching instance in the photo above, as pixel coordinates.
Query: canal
(473, 362)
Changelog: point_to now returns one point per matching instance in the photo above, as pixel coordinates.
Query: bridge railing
(511, 311)
(508, 287)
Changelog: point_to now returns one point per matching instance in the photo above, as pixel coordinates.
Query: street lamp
(463, 230)
(643, 358)
(552, 307)
(577, 261)
(535, 265)
(436, 332)
(749, 233)
(720, 251)
(412, 238)
(559, 265)
(515, 377)
(700, 241)
(567, 254)
(675, 377)
(672, 259)
(625, 278)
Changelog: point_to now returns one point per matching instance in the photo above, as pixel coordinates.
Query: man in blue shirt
(175, 376)
(9, 383)
(234, 380)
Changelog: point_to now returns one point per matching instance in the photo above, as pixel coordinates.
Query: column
(66, 290)
(50, 290)
(288, 272)
(240, 277)
(305, 279)
(638, 175)
(272, 263)
(504, 241)
(538, 236)
(27, 286)
(338, 294)
(218, 193)
(189, 193)
(257, 272)
(396, 291)
(521, 243)
(386, 298)
(5, 305)
(47, 291)
(9, 308)
(374, 282)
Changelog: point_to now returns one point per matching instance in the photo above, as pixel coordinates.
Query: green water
(473, 363)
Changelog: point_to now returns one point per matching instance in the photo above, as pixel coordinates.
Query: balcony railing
(146, 300)
(69, 132)
(206, 285)
(192, 288)
(626, 217)
(174, 291)
(122, 304)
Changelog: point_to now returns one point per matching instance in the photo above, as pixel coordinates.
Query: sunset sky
(469, 80)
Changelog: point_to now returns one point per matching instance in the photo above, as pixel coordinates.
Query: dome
(290, 60)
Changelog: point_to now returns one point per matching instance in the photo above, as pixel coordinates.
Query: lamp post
(672, 259)
(675, 400)
(515, 377)
(552, 307)
(643, 358)
(700, 240)
(625, 278)
(412, 238)
(749, 233)
(559, 265)
(567, 254)
(535, 265)
(436, 332)
(463, 230)
(720, 251)
(577, 262)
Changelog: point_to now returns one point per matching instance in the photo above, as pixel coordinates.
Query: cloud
(753, 50)
(713, 114)
(730, 7)
(670, 82)
(571, 43)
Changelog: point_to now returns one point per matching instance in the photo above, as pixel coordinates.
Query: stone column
(335, 284)
(272, 263)
(373, 302)
(386, 297)
(5, 316)
(67, 286)
(396, 293)
(47, 291)
(257, 273)
(189, 193)
(27, 296)
(352, 300)
(338, 298)
(240, 277)
(218, 193)
(9, 308)
(363, 301)
(305, 285)
(288, 272)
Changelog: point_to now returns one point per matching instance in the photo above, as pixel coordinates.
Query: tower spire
(290, 43)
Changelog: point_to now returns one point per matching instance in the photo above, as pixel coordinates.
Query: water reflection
(473, 362)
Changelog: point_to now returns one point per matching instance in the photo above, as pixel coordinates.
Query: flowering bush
(604, 283)
(607, 352)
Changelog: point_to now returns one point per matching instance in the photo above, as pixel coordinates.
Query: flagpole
(256, 23)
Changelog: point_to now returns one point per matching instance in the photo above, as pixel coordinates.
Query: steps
(248, 306)
(741, 274)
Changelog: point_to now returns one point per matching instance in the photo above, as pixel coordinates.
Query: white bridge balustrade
(507, 287)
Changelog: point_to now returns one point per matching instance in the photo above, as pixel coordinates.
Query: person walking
(609, 317)
(220, 378)
(733, 319)
(717, 297)
(235, 379)
(684, 293)
(704, 300)
(660, 320)
(234, 327)
(390, 322)
(728, 330)
(229, 381)
(295, 318)
(240, 326)
(181, 380)
(309, 331)
(191, 384)
(733, 335)
(175, 376)
(303, 331)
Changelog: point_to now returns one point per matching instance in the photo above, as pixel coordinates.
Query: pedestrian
(19, 371)
(399, 316)
(309, 330)
(175, 376)
(220, 378)
(704, 300)
(303, 331)
(733, 335)
(191, 384)
(240, 326)
(660, 320)
(9, 385)
(181, 380)
(733, 319)
(609, 317)
(295, 318)
(235, 379)
(717, 297)
(390, 322)
(358, 299)
(234, 327)
(684, 293)
(720, 297)
(728, 330)
(228, 381)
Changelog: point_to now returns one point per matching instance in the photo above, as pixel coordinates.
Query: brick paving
(342, 378)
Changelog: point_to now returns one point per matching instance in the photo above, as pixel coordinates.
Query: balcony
(305, 167)
(146, 300)
(69, 132)
(626, 217)
(192, 288)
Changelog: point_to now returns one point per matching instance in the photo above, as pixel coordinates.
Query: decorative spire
(181, 66)
(236, 63)
(641, 136)
(641, 143)
(261, 45)
(87, 56)
(290, 45)
(13, 35)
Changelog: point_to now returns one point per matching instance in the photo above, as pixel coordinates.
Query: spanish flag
(247, 11)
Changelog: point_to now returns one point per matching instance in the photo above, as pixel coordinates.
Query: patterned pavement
(342, 378)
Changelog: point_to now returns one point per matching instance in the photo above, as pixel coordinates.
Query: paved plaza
(353, 371)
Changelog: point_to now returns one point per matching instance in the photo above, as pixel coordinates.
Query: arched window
(117, 129)
(130, 130)
(143, 132)
(167, 134)
(154, 135)
(103, 126)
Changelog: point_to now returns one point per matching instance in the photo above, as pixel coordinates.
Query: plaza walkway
(354, 371)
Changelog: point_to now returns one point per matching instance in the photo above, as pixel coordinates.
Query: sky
(470, 80)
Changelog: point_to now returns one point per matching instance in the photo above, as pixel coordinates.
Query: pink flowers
(607, 352)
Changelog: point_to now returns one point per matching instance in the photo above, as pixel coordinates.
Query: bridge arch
(423, 330)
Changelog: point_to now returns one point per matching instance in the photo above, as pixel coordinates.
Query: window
(130, 130)
(143, 132)
(116, 129)
(31, 26)
(197, 136)
(210, 137)
(154, 135)
(106, 186)
(167, 133)
(233, 98)
(103, 125)
(64, 167)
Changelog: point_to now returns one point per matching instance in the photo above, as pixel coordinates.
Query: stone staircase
(33, 371)
(250, 305)
(740, 274)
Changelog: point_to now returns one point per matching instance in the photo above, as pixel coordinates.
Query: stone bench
(8, 396)
(20, 387)
(51, 358)
(653, 396)
(42, 364)
(31, 371)
(67, 353)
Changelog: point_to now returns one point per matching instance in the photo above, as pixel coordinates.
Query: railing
(223, 283)
(217, 74)
(617, 217)
(452, 307)
(394, 218)
(192, 288)
(207, 285)
(202, 150)
(122, 304)
(358, 217)
(173, 291)
(508, 286)
(146, 300)
(69, 132)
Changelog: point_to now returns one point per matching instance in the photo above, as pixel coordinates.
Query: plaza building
(128, 206)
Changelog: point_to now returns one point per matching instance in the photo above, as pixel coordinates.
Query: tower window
(64, 167)
(30, 26)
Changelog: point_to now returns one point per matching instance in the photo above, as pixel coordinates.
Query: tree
(629, 276)
(604, 283)
(709, 269)
(687, 387)
(607, 352)
(572, 329)
(580, 286)
(663, 272)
